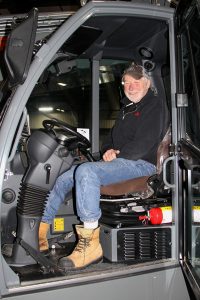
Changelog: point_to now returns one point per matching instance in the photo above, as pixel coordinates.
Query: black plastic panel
(144, 244)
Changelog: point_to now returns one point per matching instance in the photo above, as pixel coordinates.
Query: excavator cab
(59, 100)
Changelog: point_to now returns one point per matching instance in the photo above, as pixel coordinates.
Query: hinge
(181, 100)
(174, 149)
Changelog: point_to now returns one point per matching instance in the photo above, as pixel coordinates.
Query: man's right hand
(110, 154)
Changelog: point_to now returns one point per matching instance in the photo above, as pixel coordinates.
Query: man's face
(135, 89)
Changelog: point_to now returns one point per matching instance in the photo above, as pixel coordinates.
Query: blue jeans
(88, 177)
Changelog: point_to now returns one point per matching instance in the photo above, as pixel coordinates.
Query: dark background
(20, 6)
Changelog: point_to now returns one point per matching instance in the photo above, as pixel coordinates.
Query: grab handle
(170, 185)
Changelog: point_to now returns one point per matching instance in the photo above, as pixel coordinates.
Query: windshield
(64, 92)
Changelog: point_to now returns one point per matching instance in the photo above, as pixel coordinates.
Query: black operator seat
(145, 186)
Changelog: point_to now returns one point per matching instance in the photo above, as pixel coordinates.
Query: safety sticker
(166, 208)
(59, 224)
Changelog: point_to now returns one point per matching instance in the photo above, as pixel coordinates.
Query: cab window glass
(191, 67)
(194, 31)
(63, 92)
(192, 76)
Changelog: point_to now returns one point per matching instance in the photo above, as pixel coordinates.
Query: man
(129, 152)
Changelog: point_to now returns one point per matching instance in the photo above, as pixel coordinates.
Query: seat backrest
(163, 150)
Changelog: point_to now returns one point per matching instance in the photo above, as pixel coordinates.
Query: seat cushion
(125, 187)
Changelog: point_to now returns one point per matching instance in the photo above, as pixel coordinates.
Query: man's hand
(110, 154)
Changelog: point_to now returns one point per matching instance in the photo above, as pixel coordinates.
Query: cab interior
(80, 91)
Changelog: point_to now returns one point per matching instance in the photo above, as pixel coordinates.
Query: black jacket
(139, 128)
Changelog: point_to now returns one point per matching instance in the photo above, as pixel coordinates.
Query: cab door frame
(188, 151)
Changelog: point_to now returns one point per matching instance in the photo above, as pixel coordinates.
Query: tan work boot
(43, 242)
(87, 251)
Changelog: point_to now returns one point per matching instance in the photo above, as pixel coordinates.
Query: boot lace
(82, 244)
